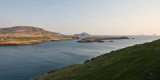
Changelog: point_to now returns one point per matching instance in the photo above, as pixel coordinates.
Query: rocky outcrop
(99, 39)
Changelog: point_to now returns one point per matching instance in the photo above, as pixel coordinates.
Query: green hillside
(138, 62)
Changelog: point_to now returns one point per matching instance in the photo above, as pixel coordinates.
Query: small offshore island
(99, 39)
(28, 35)
(87, 38)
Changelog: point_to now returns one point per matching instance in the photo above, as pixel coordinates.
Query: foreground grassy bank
(138, 62)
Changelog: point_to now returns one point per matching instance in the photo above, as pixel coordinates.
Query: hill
(25, 35)
(138, 62)
(26, 30)
(83, 35)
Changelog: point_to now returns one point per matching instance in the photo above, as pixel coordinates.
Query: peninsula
(27, 35)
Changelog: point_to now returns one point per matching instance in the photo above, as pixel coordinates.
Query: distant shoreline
(100, 39)
(30, 42)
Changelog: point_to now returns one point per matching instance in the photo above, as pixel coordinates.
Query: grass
(138, 62)
(28, 39)
(22, 40)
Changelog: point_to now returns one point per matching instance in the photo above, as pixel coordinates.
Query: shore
(30, 40)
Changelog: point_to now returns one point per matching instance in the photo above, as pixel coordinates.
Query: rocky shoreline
(99, 39)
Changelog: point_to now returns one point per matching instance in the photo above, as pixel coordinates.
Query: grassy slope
(33, 38)
(22, 40)
(139, 62)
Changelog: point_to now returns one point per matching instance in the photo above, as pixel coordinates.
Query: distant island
(88, 38)
(27, 35)
(100, 39)
(83, 35)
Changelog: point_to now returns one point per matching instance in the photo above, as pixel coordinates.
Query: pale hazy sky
(108, 17)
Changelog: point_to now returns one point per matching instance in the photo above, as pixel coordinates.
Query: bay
(26, 62)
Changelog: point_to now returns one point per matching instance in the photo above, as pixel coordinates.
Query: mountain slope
(139, 62)
(26, 29)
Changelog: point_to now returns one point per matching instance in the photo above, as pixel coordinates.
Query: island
(138, 62)
(99, 39)
(83, 35)
(28, 35)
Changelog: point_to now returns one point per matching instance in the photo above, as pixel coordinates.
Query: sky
(98, 17)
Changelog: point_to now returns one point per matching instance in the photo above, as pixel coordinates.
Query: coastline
(30, 42)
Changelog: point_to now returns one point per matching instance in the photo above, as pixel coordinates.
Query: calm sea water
(25, 62)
